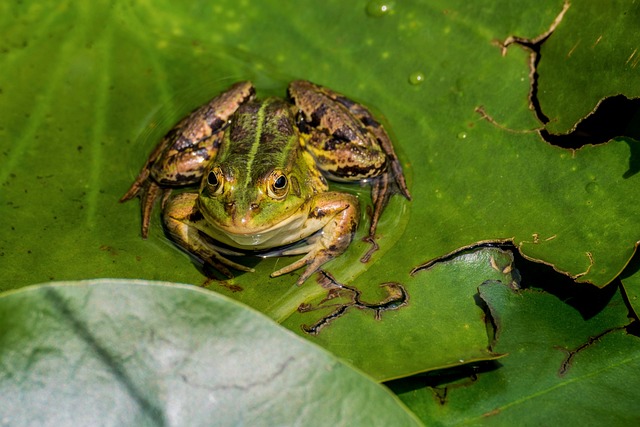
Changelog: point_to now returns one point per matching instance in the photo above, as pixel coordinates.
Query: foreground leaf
(560, 366)
(117, 352)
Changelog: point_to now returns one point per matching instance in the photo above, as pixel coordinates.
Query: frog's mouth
(241, 234)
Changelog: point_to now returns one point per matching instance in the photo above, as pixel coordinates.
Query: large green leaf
(87, 89)
(560, 367)
(140, 353)
(90, 88)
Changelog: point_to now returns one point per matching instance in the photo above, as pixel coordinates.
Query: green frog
(262, 168)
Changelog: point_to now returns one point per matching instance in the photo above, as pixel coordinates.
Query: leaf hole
(615, 116)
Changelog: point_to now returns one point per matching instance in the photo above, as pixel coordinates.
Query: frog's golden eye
(214, 181)
(278, 185)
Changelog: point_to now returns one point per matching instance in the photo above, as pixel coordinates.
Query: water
(416, 78)
(377, 8)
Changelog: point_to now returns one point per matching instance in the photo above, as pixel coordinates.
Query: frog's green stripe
(273, 141)
(255, 145)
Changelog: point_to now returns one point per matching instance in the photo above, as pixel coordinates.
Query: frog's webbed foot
(148, 191)
(333, 240)
(312, 261)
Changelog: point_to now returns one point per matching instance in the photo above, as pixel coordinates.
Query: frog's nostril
(253, 206)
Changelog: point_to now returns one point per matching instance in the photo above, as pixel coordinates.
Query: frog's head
(241, 205)
(261, 176)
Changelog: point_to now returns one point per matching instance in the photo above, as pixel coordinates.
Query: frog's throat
(290, 229)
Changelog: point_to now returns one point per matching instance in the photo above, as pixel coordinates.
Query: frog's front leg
(391, 181)
(180, 158)
(335, 215)
(349, 145)
(181, 219)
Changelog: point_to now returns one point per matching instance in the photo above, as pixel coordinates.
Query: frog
(256, 175)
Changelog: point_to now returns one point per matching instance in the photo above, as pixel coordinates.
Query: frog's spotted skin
(179, 159)
(261, 166)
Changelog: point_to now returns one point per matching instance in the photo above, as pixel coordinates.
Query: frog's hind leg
(180, 217)
(380, 196)
(150, 195)
(149, 192)
(370, 132)
(349, 144)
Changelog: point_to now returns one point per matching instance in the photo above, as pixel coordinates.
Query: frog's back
(262, 137)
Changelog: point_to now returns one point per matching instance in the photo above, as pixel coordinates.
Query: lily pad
(88, 89)
(577, 369)
(116, 352)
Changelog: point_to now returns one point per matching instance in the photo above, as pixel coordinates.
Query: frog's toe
(148, 192)
(243, 268)
(148, 197)
(133, 191)
(313, 261)
(293, 266)
(223, 264)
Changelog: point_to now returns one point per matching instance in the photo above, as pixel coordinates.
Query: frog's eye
(278, 185)
(214, 181)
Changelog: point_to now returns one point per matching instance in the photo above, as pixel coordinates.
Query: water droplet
(378, 8)
(591, 187)
(462, 135)
(416, 78)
